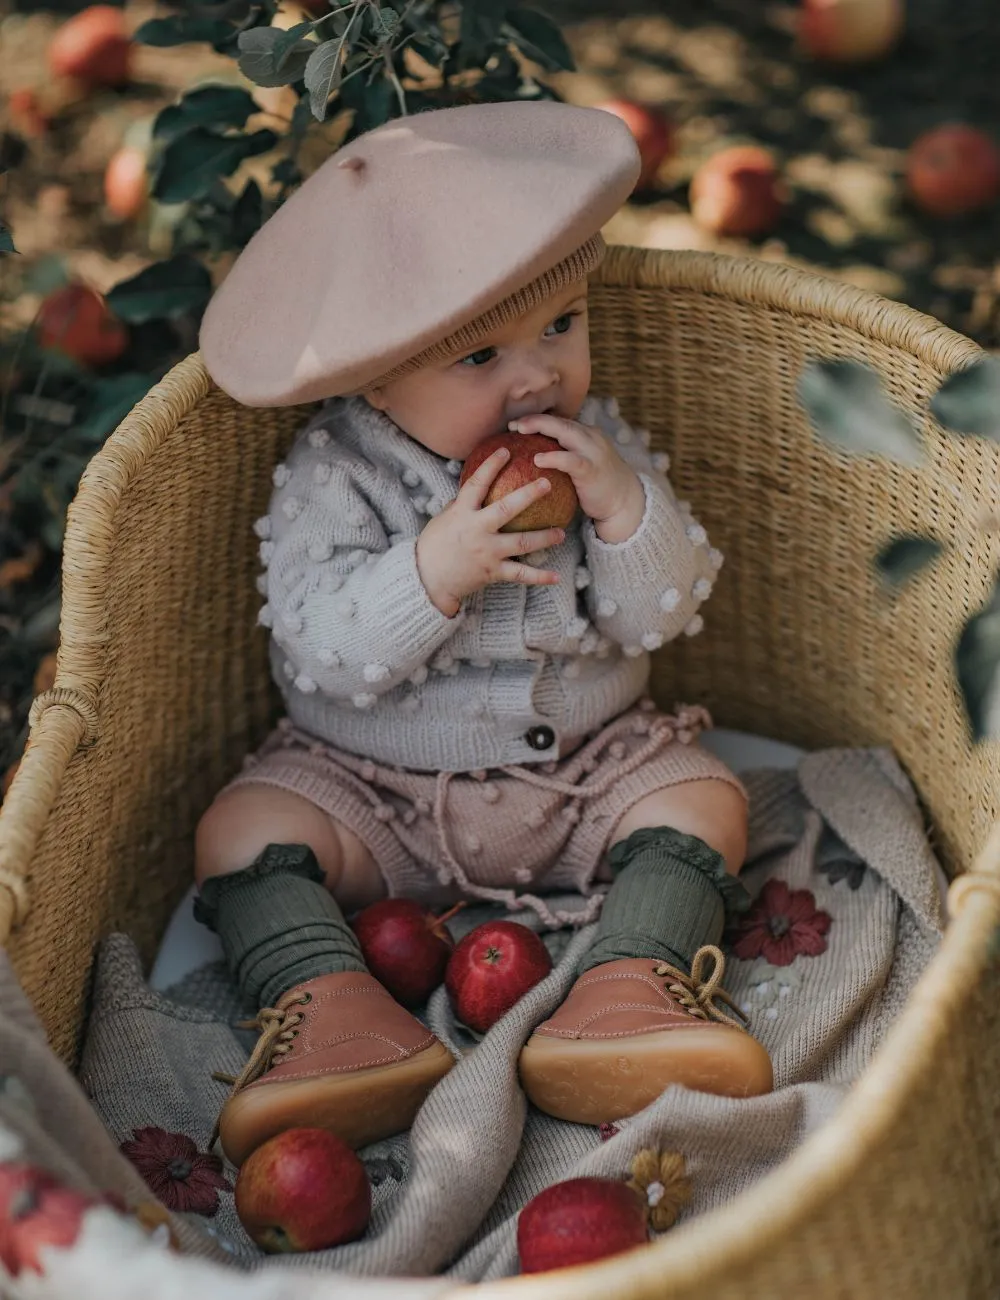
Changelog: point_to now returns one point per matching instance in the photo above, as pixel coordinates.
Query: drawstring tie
(696, 994)
(278, 1026)
(661, 731)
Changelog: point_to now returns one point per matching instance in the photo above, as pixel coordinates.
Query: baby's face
(540, 362)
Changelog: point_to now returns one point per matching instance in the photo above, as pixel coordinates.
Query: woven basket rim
(792, 290)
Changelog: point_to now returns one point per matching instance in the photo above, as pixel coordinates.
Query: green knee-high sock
(671, 894)
(278, 923)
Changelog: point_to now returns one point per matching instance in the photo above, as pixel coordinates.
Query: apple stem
(446, 916)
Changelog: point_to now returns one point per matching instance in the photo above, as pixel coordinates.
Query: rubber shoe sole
(591, 1081)
(361, 1106)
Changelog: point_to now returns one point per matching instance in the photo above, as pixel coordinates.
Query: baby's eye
(563, 323)
(479, 358)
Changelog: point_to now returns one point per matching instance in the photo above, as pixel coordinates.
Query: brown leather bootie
(628, 1029)
(339, 1053)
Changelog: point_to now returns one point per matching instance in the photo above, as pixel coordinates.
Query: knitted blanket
(837, 846)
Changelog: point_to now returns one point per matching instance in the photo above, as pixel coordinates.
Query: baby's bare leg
(638, 1018)
(711, 809)
(241, 822)
(669, 857)
(276, 876)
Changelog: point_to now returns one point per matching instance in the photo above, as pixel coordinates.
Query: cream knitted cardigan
(367, 663)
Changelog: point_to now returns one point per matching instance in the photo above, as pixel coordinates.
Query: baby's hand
(462, 549)
(606, 486)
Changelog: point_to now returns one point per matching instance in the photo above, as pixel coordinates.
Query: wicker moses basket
(162, 687)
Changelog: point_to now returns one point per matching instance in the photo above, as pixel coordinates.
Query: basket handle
(60, 721)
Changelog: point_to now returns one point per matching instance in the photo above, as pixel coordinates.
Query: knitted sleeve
(647, 590)
(344, 597)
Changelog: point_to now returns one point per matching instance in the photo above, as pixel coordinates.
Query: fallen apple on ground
(76, 321)
(953, 171)
(92, 47)
(303, 1189)
(491, 969)
(849, 31)
(126, 184)
(578, 1221)
(555, 509)
(652, 131)
(405, 946)
(737, 192)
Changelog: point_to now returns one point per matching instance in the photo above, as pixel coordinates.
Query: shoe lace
(698, 994)
(278, 1028)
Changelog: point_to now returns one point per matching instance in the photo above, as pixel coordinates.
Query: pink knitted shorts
(490, 833)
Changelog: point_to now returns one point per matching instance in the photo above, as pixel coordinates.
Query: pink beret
(409, 234)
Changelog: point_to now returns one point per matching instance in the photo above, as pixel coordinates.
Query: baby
(466, 708)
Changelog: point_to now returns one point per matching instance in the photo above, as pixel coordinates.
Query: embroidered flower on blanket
(185, 1179)
(781, 924)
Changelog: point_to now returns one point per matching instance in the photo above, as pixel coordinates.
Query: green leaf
(977, 661)
(431, 49)
(905, 556)
(258, 60)
(373, 104)
(289, 41)
(181, 29)
(111, 400)
(847, 407)
(541, 40)
(479, 32)
(248, 214)
(323, 75)
(285, 172)
(387, 22)
(969, 402)
(176, 287)
(46, 275)
(191, 164)
(6, 239)
(218, 106)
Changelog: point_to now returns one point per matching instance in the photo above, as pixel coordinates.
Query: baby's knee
(240, 823)
(711, 809)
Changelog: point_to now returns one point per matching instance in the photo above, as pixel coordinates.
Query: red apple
(555, 509)
(28, 115)
(849, 31)
(36, 1210)
(405, 947)
(578, 1221)
(77, 321)
(92, 47)
(737, 192)
(303, 1189)
(491, 968)
(126, 185)
(953, 171)
(653, 133)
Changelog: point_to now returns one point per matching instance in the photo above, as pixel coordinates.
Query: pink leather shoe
(628, 1029)
(337, 1052)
